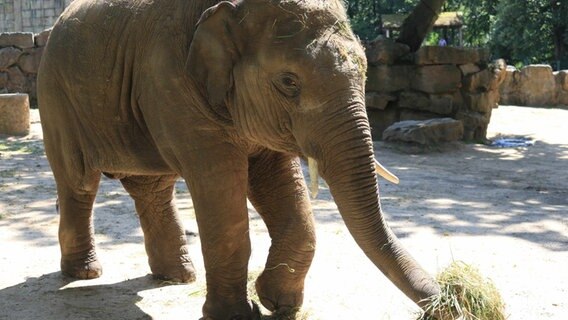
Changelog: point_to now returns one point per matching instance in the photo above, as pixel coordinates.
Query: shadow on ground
(449, 196)
(109, 301)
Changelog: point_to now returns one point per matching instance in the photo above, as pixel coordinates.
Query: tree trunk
(419, 23)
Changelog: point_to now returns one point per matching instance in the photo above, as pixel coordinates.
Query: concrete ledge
(14, 114)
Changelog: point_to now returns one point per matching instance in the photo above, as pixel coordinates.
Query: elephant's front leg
(218, 188)
(279, 194)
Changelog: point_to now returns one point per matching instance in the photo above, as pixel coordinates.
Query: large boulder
(534, 85)
(14, 114)
(428, 132)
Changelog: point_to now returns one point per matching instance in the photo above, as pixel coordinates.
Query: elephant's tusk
(314, 177)
(383, 172)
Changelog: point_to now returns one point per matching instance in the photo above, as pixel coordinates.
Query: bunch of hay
(465, 294)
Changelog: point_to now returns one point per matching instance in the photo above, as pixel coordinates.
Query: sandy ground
(503, 210)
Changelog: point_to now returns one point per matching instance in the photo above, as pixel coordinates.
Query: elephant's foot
(280, 292)
(179, 271)
(242, 311)
(84, 268)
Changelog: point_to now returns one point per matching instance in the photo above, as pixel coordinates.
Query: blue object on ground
(512, 142)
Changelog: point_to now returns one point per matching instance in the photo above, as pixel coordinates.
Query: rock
(385, 51)
(388, 79)
(14, 114)
(499, 68)
(537, 85)
(41, 38)
(437, 79)
(22, 40)
(562, 98)
(3, 79)
(510, 88)
(413, 100)
(561, 78)
(427, 132)
(469, 68)
(533, 85)
(482, 102)
(441, 104)
(487, 79)
(32, 89)
(479, 82)
(407, 114)
(8, 57)
(17, 81)
(380, 120)
(379, 101)
(29, 61)
(431, 55)
(474, 124)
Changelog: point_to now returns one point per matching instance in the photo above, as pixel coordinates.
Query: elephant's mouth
(314, 175)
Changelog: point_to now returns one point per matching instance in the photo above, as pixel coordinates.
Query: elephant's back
(89, 43)
(87, 85)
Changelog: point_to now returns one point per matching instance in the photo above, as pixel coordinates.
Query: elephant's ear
(213, 53)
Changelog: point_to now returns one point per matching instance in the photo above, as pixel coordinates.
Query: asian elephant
(226, 95)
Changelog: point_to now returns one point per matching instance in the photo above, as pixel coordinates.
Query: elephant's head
(290, 76)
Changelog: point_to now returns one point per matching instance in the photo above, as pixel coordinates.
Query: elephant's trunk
(347, 164)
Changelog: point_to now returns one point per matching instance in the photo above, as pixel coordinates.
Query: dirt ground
(504, 211)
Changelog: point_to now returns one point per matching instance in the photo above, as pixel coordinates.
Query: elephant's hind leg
(278, 192)
(76, 231)
(164, 235)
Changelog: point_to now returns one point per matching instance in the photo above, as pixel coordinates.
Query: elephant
(229, 96)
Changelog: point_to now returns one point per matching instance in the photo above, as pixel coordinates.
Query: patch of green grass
(465, 294)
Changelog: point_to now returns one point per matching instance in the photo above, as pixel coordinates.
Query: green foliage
(365, 15)
(522, 32)
(533, 31)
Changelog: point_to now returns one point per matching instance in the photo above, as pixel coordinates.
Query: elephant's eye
(288, 84)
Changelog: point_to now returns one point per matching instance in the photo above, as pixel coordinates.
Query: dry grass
(465, 294)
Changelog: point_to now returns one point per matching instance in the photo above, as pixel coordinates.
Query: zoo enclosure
(30, 15)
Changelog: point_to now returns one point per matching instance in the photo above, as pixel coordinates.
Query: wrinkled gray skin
(139, 91)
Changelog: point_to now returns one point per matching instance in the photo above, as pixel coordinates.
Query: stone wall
(434, 82)
(536, 86)
(20, 55)
(29, 15)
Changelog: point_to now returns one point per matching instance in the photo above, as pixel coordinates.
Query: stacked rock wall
(535, 86)
(434, 82)
(20, 55)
